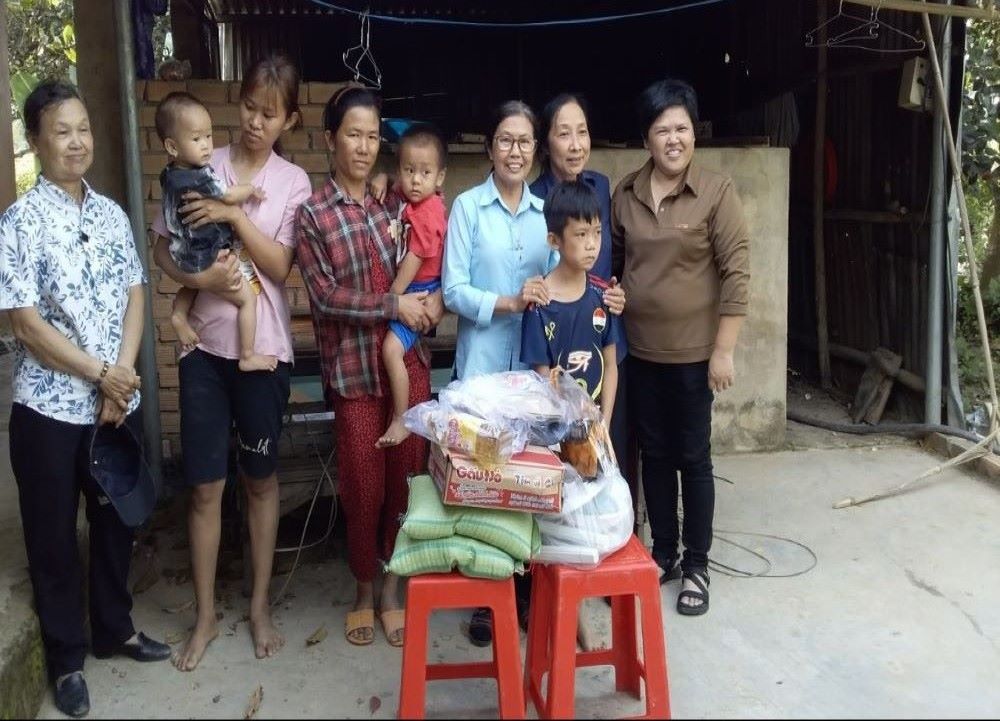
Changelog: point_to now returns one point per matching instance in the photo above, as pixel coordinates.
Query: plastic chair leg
(537, 650)
(625, 644)
(507, 665)
(562, 672)
(655, 657)
(413, 687)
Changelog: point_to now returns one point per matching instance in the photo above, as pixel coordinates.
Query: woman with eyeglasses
(495, 259)
(496, 252)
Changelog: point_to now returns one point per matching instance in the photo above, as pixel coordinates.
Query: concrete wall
(750, 416)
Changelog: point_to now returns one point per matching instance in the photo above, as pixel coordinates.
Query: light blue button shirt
(490, 252)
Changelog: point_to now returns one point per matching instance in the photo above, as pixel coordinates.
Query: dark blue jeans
(671, 405)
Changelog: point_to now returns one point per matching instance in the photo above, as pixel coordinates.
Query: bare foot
(395, 434)
(256, 362)
(266, 639)
(185, 333)
(190, 656)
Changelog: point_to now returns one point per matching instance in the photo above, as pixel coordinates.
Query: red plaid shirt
(333, 232)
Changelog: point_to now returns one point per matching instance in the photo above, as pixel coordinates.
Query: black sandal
(481, 627)
(699, 579)
(671, 570)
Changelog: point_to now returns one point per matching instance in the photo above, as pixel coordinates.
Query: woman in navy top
(565, 148)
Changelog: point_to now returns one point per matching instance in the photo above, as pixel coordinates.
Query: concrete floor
(898, 618)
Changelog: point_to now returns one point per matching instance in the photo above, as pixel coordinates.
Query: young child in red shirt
(422, 163)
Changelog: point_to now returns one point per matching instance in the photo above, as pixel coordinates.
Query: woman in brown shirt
(680, 246)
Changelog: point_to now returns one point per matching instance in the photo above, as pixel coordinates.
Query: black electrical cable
(908, 430)
(734, 572)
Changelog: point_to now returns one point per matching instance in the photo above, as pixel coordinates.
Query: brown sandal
(393, 622)
(359, 621)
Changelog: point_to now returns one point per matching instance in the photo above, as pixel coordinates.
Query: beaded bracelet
(104, 372)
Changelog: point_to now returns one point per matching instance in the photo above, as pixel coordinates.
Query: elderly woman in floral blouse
(71, 282)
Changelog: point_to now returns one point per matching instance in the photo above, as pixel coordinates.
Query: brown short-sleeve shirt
(682, 265)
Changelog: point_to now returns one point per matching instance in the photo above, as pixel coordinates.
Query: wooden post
(96, 60)
(819, 187)
(8, 185)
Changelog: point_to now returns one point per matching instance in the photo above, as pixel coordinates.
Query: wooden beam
(915, 6)
(8, 186)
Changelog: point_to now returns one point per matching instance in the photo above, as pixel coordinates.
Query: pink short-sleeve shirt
(214, 319)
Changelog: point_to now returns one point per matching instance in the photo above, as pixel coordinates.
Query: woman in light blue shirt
(495, 256)
(496, 250)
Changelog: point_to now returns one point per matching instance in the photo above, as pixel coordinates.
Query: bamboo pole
(819, 186)
(913, 6)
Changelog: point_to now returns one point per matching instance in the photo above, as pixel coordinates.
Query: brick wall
(305, 147)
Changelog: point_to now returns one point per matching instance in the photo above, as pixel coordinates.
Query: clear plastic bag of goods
(586, 444)
(522, 396)
(488, 441)
(596, 520)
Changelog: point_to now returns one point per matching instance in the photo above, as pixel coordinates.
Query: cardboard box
(530, 481)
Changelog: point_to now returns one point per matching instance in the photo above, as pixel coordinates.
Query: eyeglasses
(505, 143)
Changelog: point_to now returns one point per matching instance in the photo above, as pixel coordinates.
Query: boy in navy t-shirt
(575, 331)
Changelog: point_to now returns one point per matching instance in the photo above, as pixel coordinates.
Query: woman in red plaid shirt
(347, 252)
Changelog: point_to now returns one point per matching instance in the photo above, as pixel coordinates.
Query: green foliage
(42, 44)
(24, 181)
(981, 121)
(981, 170)
(979, 200)
(971, 363)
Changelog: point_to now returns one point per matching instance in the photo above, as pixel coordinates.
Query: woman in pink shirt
(214, 393)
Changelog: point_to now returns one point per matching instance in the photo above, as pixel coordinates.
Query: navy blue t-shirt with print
(573, 335)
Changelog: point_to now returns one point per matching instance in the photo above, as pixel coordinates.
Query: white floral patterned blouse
(75, 264)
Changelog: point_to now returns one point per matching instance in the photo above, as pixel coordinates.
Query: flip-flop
(393, 621)
(358, 621)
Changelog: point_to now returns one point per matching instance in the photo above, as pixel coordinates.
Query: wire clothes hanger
(868, 29)
(860, 23)
(371, 76)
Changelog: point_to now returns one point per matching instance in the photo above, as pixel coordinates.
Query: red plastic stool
(555, 596)
(434, 591)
